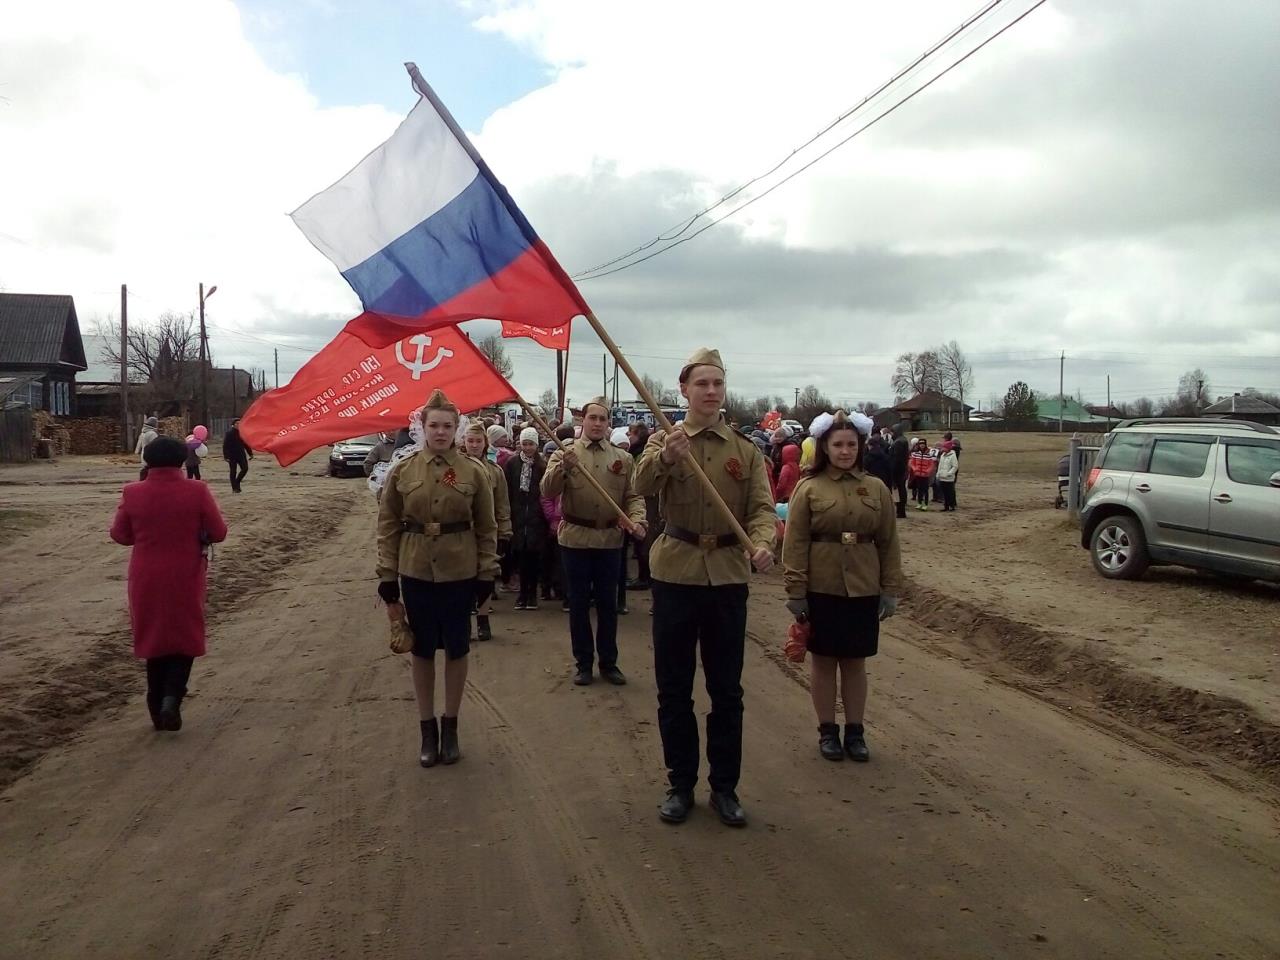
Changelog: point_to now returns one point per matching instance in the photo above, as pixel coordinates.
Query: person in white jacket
(948, 471)
(150, 430)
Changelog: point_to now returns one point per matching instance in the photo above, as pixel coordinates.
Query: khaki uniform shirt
(615, 470)
(832, 503)
(736, 468)
(437, 488)
(501, 498)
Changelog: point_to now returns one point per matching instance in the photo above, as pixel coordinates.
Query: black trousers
(592, 574)
(167, 677)
(715, 618)
(529, 563)
(238, 469)
(947, 488)
(900, 483)
(193, 473)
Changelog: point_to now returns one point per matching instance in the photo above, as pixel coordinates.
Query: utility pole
(615, 383)
(559, 384)
(276, 351)
(125, 445)
(604, 374)
(233, 390)
(1108, 403)
(204, 356)
(1062, 363)
(796, 403)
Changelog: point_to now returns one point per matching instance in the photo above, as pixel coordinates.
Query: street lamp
(204, 357)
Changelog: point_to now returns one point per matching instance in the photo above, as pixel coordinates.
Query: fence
(1082, 460)
(15, 435)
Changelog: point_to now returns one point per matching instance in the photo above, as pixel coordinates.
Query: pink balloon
(201, 433)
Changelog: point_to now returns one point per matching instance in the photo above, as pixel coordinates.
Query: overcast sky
(1100, 180)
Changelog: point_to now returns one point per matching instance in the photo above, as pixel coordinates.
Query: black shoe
(430, 753)
(564, 606)
(531, 604)
(829, 741)
(675, 809)
(854, 744)
(637, 584)
(583, 678)
(622, 610)
(520, 604)
(483, 630)
(729, 809)
(614, 676)
(449, 751)
(170, 716)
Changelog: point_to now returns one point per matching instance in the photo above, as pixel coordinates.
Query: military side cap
(703, 356)
(599, 402)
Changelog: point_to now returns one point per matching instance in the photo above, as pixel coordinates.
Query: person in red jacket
(168, 520)
(789, 476)
(920, 469)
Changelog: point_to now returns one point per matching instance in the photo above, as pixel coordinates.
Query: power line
(684, 225)
(824, 154)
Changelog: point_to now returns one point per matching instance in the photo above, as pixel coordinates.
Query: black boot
(829, 741)
(170, 716)
(449, 752)
(430, 754)
(854, 744)
(483, 631)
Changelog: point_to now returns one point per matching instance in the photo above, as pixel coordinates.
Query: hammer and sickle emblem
(422, 341)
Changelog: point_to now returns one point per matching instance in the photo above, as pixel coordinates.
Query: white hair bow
(821, 424)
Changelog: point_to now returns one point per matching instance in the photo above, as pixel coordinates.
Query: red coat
(163, 518)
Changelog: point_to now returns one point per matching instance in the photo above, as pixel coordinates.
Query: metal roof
(40, 329)
(1240, 403)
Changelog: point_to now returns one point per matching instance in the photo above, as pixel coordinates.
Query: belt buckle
(846, 537)
(431, 529)
(708, 541)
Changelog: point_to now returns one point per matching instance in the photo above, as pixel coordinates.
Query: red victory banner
(350, 389)
(554, 338)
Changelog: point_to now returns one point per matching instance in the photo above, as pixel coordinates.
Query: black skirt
(844, 626)
(439, 615)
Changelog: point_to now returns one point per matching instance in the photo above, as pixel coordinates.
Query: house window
(35, 395)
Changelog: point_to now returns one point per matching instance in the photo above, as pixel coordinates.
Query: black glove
(484, 590)
(389, 591)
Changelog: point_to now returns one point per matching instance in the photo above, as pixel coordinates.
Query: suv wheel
(1119, 549)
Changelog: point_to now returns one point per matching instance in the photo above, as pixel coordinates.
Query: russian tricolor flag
(427, 236)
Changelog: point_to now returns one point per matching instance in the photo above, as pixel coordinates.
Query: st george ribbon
(427, 236)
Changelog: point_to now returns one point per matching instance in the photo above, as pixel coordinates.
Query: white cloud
(1093, 181)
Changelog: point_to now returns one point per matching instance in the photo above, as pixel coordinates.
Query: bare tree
(1192, 396)
(495, 352)
(164, 352)
(868, 407)
(665, 396)
(811, 403)
(916, 373)
(547, 402)
(955, 371)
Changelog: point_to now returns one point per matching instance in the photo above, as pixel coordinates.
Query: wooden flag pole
(546, 428)
(666, 425)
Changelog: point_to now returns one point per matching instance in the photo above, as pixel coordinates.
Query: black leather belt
(584, 522)
(434, 529)
(845, 537)
(704, 541)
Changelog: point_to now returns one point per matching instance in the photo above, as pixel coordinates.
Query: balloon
(807, 449)
(201, 433)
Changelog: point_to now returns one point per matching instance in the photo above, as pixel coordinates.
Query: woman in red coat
(168, 520)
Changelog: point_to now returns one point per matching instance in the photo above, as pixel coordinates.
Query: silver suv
(1200, 493)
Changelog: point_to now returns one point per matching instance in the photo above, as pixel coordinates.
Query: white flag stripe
(405, 180)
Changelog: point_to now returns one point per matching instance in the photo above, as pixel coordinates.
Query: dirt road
(289, 818)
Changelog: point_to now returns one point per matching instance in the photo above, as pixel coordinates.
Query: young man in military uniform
(699, 574)
(590, 537)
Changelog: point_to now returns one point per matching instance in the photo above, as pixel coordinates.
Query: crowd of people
(469, 511)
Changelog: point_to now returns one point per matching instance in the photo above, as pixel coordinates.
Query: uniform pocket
(821, 504)
(871, 503)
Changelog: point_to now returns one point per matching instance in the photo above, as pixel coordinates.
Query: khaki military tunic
(501, 497)
(842, 537)
(736, 469)
(429, 489)
(615, 470)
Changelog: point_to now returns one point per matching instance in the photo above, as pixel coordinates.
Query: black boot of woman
(430, 754)
(449, 751)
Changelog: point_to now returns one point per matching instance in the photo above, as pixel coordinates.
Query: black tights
(167, 677)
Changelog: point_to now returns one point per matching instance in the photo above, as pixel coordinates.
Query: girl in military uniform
(437, 557)
(843, 574)
(476, 442)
